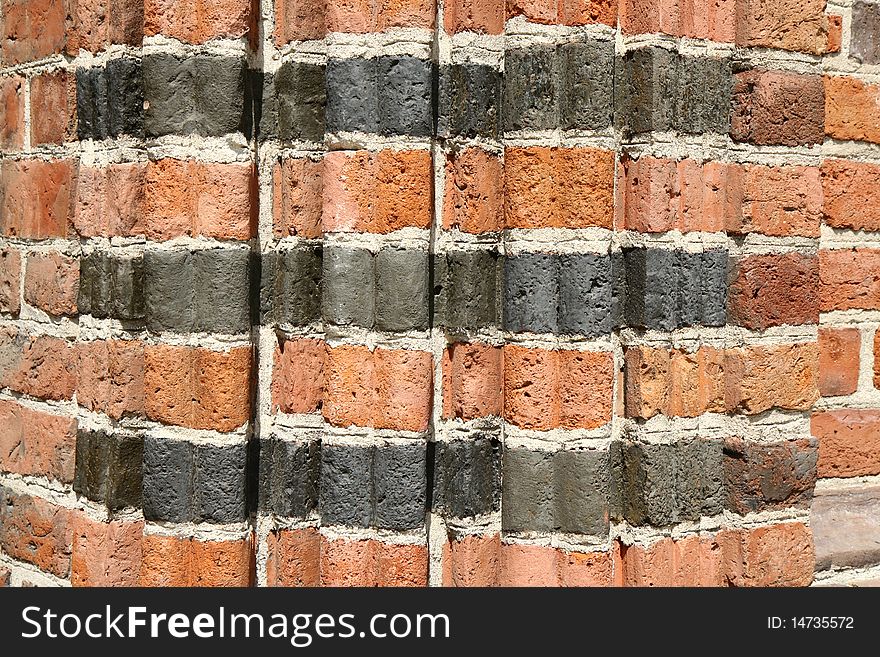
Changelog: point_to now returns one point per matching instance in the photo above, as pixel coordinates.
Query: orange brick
(32, 29)
(36, 531)
(377, 192)
(297, 185)
(388, 388)
(105, 553)
(685, 398)
(198, 199)
(485, 16)
(689, 561)
(839, 361)
(773, 290)
(787, 24)
(847, 279)
(35, 198)
(548, 389)
(558, 187)
(109, 201)
(700, 19)
(51, 283)
(584, 568)
(472, 561)
(197, 21)
(300, 20)
(110, 377)
(10, 279)
(780, 376)
(533, 565)
(298, 375)
(852, 196)
(849, 442)
(648, 381)
(472, 381)
(710, 193)
(294, 557)
(53, 107)
(36, 443)
(176, 561)
(11, 112)
(586, 12)
(474, 194)
(94, 23)
(650, 193)
(41, 366)
(197, 388)
(372, 563)
(780, 201)
(404, 13)
(776, 555)
(852, 109)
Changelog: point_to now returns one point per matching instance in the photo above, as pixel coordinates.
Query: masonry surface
(460, 293)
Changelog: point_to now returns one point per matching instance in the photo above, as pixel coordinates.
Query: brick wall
(467, 293)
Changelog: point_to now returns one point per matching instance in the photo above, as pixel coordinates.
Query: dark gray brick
(352, 95)
(125, 89)
(95, 285)
(530, 97)
(221, 290)
(713, 279)
(587, 73)
(405, 97)
(466, 285)
(585, 294)
(618, 289)
(865, 43)
(293, 102)
(531, 292)
(651, 288)
(168, 475)
(168, 290)
(219, 483)
(125, 474)
(399, 486)
(289, 476)
(646, 82)
(90, 472)
(127, 287)
(349, 292)
(719, 88)
(699, 482)
(580, 491)
(401, 289)
(469, 99)
(690, 283)
(467, 476)
(346, 491)
(527, 490)
(290, 286)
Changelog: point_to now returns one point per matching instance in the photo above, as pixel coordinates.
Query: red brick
(53, 108)
(852, 109)
(472, 561)
(558, 187)
(778, 108)
(688, 561)
(474, 196)
(648, 381)
(299, 20)
(701, 19)
(5, 576)
(36, 443)
(835, 34)
(472, 381)
(650, 193)
(40, 366)
(11, 112)
(786, 24)
(197, 21)
(372, 563)
(36, 531)
(363, 16)
(565, 12)
(839, 361)
(197, 388)
(781, 376)
(377, 192)
(94, 23)
(297, 189)
(110, 377)
(709, 194)
(849, 442)
(780, 201)
(10, 280)
(774, 290)
(852, 195)
(848, 279)
(51, 282)
(32, 29)
(294, 557)
(548, 389)
(584, 568)
(199, 199)
(298, 375)
(485, 16)
(35, 198)
(776, 555)
(178, 561)
(386, 388)
(105, 553)
(533, 565)
(109, 201)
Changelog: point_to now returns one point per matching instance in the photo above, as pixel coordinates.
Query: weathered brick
(197, 21)
(852, 109)
(469, 100)
(167, 479)
(11, 112)
(372, 563)
(176, 561)
(297, 197)
(467, 289)
(298, 375)
(109, 467)
(349, 287)
(53, 108)
(95, 23)
(219, 483)
(586, 69)
(467, 476)
(36, 531)
(485, 16)
(294, 557)
(105, 553)
(290, 286)
(531, 94)
(288, 476)
(38, 366)
(471, 560)
(293, 104)
(689, 561)
(36, 198)
(110, 100)
(533, 565)
(839, 361)
(51, 283)
(111, 285)
(109, 201)
(401, 289)
(774, 555)
(299, 20)
(865, 30)
(36, 443)
(474, 191)
(10, 279)
(790, 24)
(847, 281)
(773, 290)
(32, 29)
(851, 197)
(472, 381)
(848, 442)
